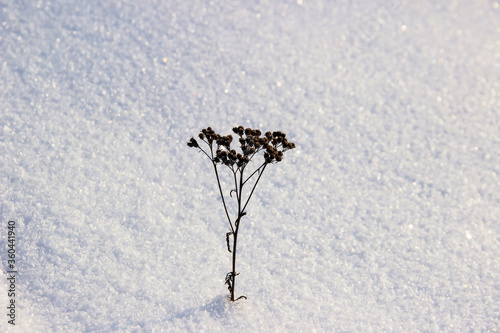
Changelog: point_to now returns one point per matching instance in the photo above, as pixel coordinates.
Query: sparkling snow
(384, 218)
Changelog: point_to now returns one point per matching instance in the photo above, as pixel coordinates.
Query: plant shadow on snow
(218, 308)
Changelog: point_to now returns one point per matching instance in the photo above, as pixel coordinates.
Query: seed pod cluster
(193, 143)
(251, 142)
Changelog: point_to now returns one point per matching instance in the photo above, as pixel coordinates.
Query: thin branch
(220, 190)
(205, 153)
(236, 187)
(260, 174)
(253, 173)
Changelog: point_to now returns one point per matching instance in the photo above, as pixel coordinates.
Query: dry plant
(252, 142)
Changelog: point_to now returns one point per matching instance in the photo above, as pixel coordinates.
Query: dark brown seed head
(240, 130)
(192, 143)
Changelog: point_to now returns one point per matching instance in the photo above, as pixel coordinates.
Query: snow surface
(384, 218)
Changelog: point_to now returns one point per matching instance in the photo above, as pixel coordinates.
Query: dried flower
(193, 143)
(273, 144)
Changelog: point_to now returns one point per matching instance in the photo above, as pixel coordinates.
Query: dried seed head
(288, 145)
(238, 130)
(224, 140)
(248, 151)
(273, 144)
(193, 143)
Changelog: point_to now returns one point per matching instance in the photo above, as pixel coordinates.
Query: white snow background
(385, 218)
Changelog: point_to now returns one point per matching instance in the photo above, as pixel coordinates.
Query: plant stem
(260, 174)
(239, 192)
(235, 239)
(253, 173)
(241, 213)
(222, 196)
